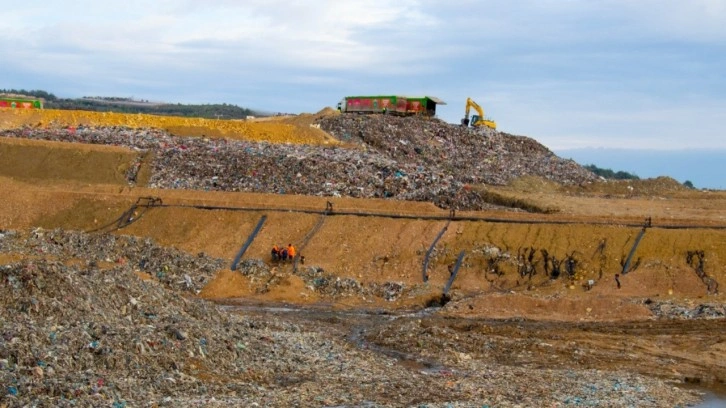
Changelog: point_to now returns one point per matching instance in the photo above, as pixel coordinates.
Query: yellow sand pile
(275, 131)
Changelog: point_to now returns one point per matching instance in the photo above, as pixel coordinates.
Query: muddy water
(713, 401)
(671, 350)
(715, 396)
(355, 324)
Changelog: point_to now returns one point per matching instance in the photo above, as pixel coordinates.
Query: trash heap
(140, 139)
(78, 330)
(470, 155)
(298, 169)
(323, 282)
(272, 131)
(675, 311)
(411, 159)
(173, 268)
(75, 330)
(74, 335)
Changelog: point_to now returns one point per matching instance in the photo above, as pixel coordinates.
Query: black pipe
(431, 249)
(453, 273)
(309, 236)
(626, 266)
(450, 217)
(248, 242)
(440, 217)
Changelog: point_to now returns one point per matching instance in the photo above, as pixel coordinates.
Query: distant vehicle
(476, 120)
(17, 103)
(390, 104)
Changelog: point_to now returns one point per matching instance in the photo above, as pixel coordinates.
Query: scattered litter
(78, 328)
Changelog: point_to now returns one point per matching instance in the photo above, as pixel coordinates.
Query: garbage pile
(173, 268)
(273, 131)
(142, 139)
(470, 155)
(676, 311)
(319, 280)
(299, 169)
(78, 330)
(73, 335)
(411, 159)
(73, 331)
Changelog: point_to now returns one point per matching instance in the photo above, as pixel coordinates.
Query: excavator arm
(478, 119)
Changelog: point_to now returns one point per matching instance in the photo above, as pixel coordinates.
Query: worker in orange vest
(290, 252)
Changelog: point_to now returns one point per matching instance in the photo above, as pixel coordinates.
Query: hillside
(130, 105)
(536, 229)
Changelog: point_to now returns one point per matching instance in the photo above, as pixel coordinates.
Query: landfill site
(435, 265)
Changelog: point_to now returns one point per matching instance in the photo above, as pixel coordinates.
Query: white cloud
(563, 71)
(693, 20)
(314, 34)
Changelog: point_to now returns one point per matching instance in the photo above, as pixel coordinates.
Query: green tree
(34, 93)
(610, 174)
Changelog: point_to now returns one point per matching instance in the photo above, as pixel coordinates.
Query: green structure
(19, 103)
(394, 104)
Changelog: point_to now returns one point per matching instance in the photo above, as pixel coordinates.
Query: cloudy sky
(647, 74)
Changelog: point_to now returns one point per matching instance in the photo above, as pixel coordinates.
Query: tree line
(622, 175)
(610, 174)
(128, 105)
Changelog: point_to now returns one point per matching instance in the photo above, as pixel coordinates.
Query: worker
(290, 251)
(275, 253)
(283, 254)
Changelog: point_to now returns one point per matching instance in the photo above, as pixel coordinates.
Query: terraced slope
(543, 242)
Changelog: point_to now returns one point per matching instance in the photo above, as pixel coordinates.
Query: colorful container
(14, 103)
(394, 104)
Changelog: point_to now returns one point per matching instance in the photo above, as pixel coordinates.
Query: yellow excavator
(476, 120)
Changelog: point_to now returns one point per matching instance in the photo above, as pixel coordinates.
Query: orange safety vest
(291, 251)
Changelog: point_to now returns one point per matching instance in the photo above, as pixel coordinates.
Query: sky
(572, 74)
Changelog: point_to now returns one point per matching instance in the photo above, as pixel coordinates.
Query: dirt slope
(384, 249)
(79, 186)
